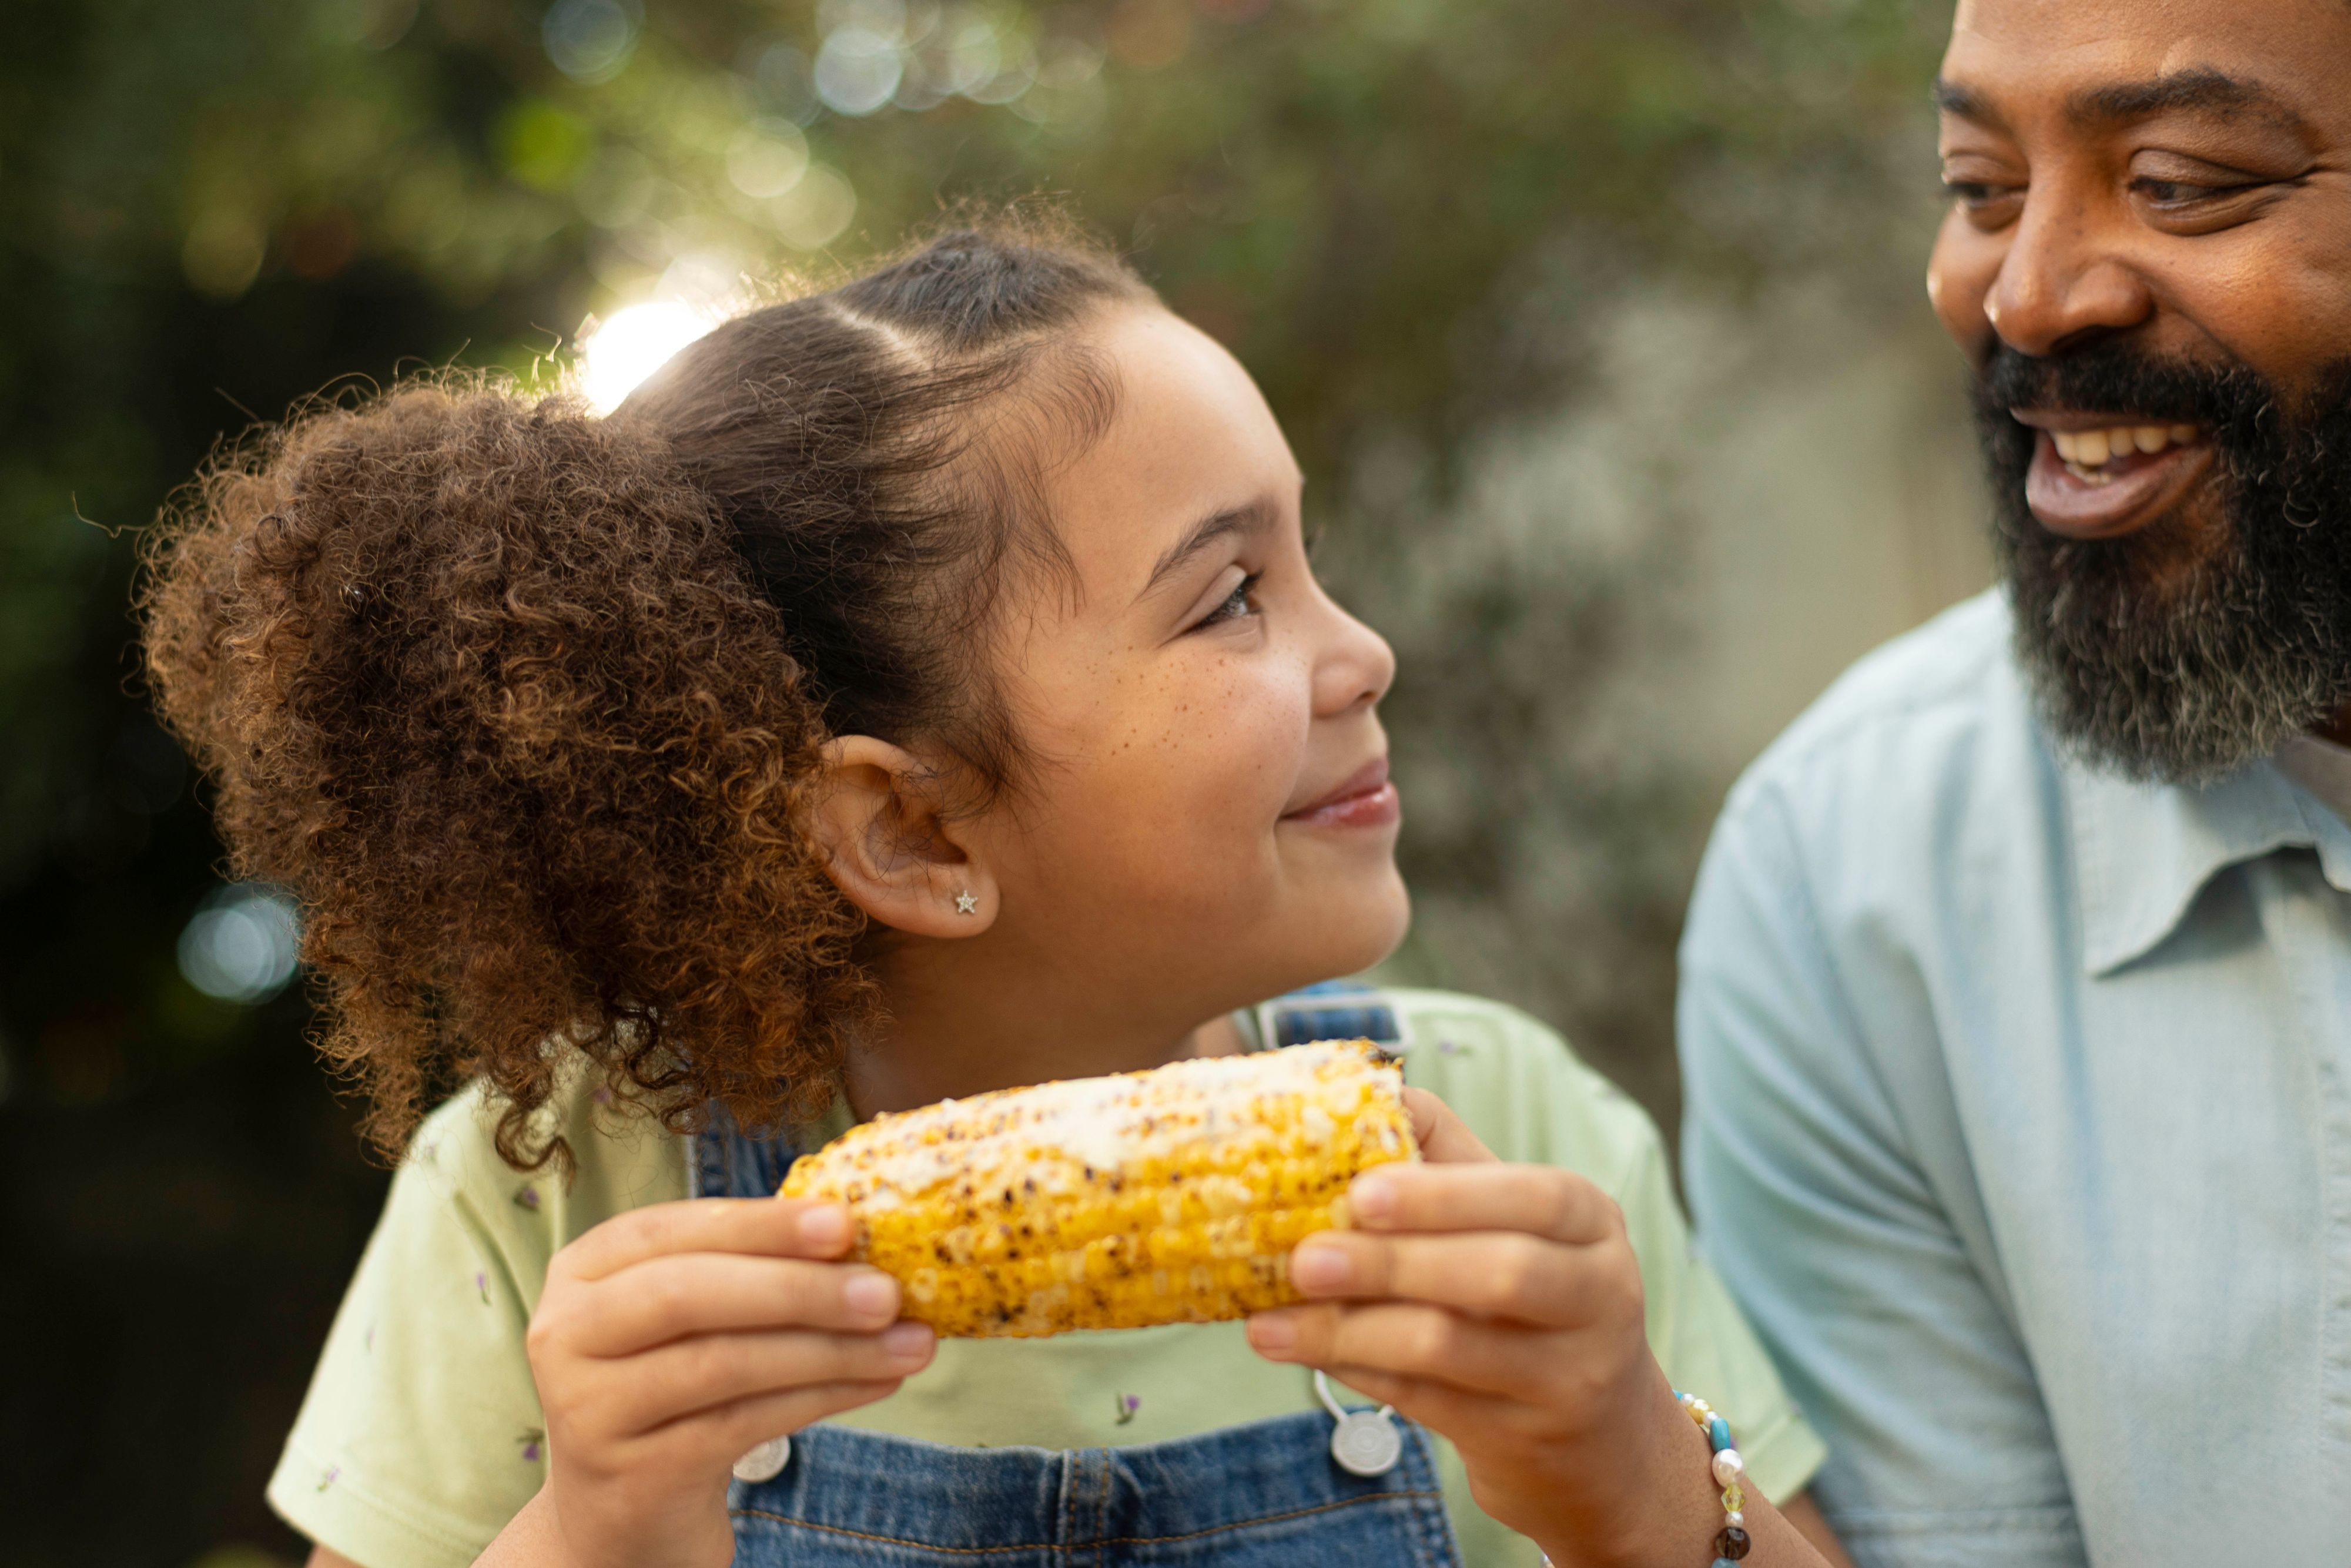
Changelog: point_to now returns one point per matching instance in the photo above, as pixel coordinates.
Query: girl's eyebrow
(1252, 518)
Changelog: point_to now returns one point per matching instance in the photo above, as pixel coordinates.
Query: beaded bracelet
(1730, 1471)
(1729, 1474)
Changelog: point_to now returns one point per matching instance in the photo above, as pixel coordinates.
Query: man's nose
(2063, 280)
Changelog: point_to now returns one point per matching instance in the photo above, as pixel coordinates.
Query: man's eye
(1974, 192)
(2174, 192)
(1234, 605)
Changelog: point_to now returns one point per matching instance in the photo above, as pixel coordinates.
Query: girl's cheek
(1261, 720)
(1217, 760)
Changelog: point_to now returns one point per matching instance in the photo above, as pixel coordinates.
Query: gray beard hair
(2187, 692)
(2158, 656)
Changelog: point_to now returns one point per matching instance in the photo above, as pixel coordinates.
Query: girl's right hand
(673, 1339)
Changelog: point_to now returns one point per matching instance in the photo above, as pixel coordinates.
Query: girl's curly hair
(523, 703)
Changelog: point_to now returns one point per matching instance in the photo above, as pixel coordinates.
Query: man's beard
(2181, 652)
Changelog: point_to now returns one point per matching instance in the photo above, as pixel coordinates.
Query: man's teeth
(2088, 451)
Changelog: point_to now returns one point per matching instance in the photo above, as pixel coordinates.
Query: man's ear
(876, 817)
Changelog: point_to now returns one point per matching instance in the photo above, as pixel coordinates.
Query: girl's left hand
(1502, 1305)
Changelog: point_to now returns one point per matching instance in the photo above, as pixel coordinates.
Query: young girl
(912, 689)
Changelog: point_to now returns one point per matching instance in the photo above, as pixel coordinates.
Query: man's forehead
(2100, 60)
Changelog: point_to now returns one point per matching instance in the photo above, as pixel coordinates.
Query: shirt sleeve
(420, 1436)
(1811, 1203)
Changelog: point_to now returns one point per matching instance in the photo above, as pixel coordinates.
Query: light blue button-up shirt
(2019, 1120)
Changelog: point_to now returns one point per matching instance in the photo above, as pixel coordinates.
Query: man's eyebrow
(1966, 102)
(2200, 87)
(1255, 518)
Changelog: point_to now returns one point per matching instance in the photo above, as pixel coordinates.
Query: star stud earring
(965, 904)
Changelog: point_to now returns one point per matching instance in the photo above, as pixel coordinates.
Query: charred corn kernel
(1172, 1195)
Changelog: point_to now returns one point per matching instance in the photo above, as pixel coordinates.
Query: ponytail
(481, 681)
(523, 704)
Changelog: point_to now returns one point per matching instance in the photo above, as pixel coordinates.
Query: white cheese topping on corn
(1172, 1195)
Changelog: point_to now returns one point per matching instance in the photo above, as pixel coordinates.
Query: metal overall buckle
(764, 1462)
(1364, 1442)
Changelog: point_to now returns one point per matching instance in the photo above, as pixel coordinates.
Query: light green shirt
(422, 1434)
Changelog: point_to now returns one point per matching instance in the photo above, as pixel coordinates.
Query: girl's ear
(876, 818)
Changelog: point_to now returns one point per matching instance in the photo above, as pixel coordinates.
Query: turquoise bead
(1724, 1562)
(1717, 1432)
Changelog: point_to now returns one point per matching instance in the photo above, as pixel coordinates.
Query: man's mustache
(2120, 378)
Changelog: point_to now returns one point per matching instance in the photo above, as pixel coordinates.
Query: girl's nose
(1356, 666)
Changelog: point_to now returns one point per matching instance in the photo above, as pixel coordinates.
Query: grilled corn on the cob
(1172, 1195)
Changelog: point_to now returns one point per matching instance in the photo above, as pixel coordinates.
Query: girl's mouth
(1366, 800)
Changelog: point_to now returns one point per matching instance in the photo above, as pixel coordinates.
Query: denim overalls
(1264, 1495)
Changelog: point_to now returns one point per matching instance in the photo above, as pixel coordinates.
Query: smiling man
(2016, 1008)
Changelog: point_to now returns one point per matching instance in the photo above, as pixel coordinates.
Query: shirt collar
(2143, 852)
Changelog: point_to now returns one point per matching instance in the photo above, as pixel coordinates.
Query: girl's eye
(1235, 604)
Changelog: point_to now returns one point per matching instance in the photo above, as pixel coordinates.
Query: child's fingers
(1443, 1136)
(1541, 1200)
(651, 1391)
(1403, 1338)
(728, 1431)
(1496, 1273)
(778, 1226)
(1436, 1405)
(672, 1297)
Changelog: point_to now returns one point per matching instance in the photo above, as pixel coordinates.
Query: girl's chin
(1352, 923)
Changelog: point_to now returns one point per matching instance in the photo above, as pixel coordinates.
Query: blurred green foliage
(1409, 218)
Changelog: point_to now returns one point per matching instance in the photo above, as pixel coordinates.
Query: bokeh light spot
(222, 254)
(622, 351)
(815, 211)
(241, 945)
(541, 145)
(1063, 61)
(590, 41)
(973, 55)
(767, 158)
(858, 70)
(783, 80)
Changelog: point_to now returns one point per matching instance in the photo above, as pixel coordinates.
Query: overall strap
(1335, 1010)
(731, 1162)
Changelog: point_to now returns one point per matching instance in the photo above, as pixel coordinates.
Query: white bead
(1734, 1519)
(1728, 1467)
